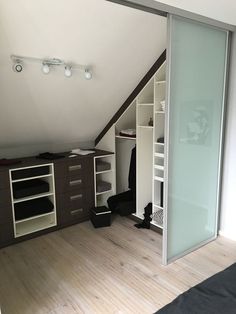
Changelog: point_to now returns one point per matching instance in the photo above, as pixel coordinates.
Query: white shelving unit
(144, 149)
(35, 222)
(159, 147)
(104, 176)
(146, 115)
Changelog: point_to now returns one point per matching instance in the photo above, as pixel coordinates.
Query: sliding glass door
(197, 61)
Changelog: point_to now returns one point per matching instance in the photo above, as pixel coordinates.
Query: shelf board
(157, 143)
(145, 127)
(103, 156)
(159, 207)
(156, 178)
(28, 198)
(34, 217)
(146, 104)
(160, 82)
(159, 167)
(126, 137)
(100, 193)
(159, 155)
(159, 111)
(31, 178)
(105, 171)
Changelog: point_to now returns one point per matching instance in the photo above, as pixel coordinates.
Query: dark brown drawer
(71, 167)
(76, 172)
(72, 200)
(72, 207)
(68, 215)
(69, 185)
(6, 233)
(77, 163)
(83, 171)
(4, 180)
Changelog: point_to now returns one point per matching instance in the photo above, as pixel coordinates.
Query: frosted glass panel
(197, 59)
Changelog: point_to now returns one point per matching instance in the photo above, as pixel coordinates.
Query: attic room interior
(117, 157)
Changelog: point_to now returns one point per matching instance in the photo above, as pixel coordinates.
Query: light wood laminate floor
(110, 270)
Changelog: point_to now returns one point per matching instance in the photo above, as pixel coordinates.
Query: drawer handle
(76, 211)
(76, 182)
(75, 197)
(76, 167)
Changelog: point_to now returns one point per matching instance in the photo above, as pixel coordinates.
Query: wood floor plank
(109, 270)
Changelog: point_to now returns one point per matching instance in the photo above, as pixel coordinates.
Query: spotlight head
(68, 71)
(45, 68)
(87, 74)
(18, 66)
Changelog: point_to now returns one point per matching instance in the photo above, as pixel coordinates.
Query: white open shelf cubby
(36, 222)
(107, 176)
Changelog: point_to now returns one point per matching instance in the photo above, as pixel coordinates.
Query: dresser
(38, 196)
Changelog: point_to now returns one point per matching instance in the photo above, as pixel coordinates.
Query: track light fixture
(87, 74)
(68, 71)
(48, 63)
(45, 68)
(17, 66)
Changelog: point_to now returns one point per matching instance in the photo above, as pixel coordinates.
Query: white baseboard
(228, 235)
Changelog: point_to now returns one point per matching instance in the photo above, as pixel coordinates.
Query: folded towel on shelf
(128, 132)
(102, 166)
(103, 186)
(160, 140)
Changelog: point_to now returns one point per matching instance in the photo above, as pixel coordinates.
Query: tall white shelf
(159, 146)
(36, 222)
(146, 115)
(107, 176)
(144, 147)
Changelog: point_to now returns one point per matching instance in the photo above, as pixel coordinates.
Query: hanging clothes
(125, 203)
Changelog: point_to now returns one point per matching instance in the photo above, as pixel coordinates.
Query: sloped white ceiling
(120, 43)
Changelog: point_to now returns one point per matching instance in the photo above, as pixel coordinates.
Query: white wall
(228, 217)
(50, 112)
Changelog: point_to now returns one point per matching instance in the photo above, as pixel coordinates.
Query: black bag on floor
(121, 203)
(126, 208)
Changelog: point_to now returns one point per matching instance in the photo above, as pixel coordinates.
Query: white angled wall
(50, 112)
